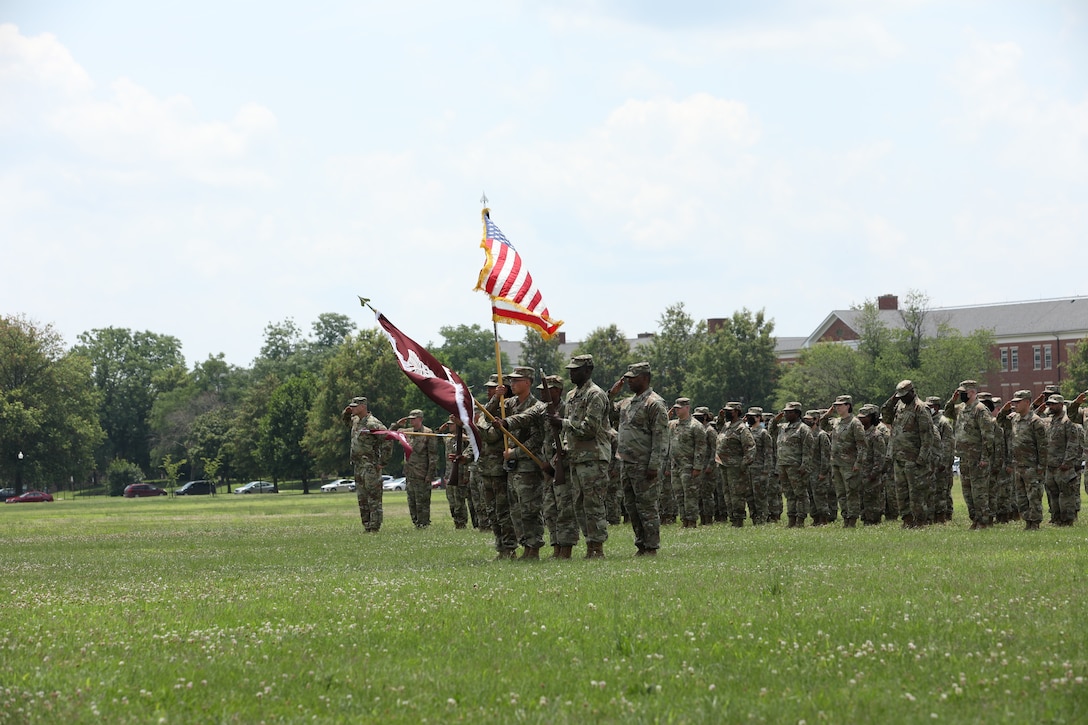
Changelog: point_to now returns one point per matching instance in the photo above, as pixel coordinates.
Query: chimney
(714, 323)
(562, 338)
(887, 302)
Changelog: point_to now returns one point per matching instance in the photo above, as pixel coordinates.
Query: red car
(30, 497)
(143, 489)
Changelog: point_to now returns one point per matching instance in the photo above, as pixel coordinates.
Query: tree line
(126, 403)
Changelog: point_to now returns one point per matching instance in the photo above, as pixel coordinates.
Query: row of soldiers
(892, 462)
(570, 464)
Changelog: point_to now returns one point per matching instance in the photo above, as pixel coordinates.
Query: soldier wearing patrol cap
(708, 481)
(974, 430)
(765, 497)
(1028, 455)
(368, 454)
(736, 453)
(847, 441)
(796, 461)
(420, 468)
(559, 515)
(1065, 447)
(821, 494)
(687, 452)
(1001, 488)
(942, 465)
(641, 447)
(493, 477)
(912, 448)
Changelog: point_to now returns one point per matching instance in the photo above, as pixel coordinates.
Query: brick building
(1032, 339)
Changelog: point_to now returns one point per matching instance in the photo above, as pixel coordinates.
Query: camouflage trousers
(419, 501)
(589, 483)
(738, 488)
(613, 504)
(942, 494)
(368, 491)
(457, 497)
(711, 497)
(913, 489)
(847, 483)
(1001, 495)
(1028, 485)
(690, 493)
(529, 488)
(479, 504)
(874, 497)
(975, 483)
(1063, 488)
(775, 489)
(795, 485)
(891, 499)
(640, 498)
(559, 511)
(666, 504)
(759, 496)
(823, 497)
(496, 492)
(720, 500)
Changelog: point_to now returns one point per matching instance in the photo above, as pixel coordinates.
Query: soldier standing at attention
(709, 479)
(774, 485)
(456, 488)
(420, 468)
(526, 478)
(493, 478)
(1028, 447)
(912, 448)
(1065, 444)
(583, 423)
(642, 441)
(847, 440)
(736, 452)
(559, 518)
(942, 477)
(796, 461)
(821, 493)
(871, 461)
(368, 454)
(975, 447)
(763, 494)
(687, 455)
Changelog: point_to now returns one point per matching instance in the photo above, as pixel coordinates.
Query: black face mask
(908, 398)
(963, 396)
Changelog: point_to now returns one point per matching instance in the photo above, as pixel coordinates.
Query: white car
(257, 487)
(395, 484)
(340, 484)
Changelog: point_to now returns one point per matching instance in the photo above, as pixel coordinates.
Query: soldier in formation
(369, 453)
(420, 468)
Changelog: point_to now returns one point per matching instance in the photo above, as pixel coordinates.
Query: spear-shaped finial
(364, 301)
(483, 199)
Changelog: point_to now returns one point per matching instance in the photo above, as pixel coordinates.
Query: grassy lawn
(279, 609)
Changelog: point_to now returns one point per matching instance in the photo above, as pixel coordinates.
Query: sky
(202, 169)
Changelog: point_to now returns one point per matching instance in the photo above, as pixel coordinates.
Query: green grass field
(279, 609)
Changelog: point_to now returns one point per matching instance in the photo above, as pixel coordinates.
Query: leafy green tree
(541, 354)
(737, 362)
(950, 357)
(824, 371)
(363, 365)
(469, 350)
(611, 354)
(207, 441)
(1076, 370)
(129, 370)
(330, 330)
(240, 447)
(48, 406)
(669, 353)
(211, 469)
(280, 432)
(121, 474)
(172, 469)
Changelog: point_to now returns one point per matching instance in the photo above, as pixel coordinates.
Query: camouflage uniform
(708, 481)
(493, 481)
(1065, 446)
(872, 458)
(614, 511)
(588, 447)
(774, 482)
(642, 442)
(736, 452)
(526, 423)
(1028, 448)
(457, 490)
(667, 497)
(912, 446)
(946, 453)
(368, 454)
(975, 447)
(1001, 476)
(687, 455)
(822, 495)
(796, 461)
(419, 470)
(761, 499)
(847, 440)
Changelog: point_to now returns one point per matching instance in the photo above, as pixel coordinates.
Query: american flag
(514, 296)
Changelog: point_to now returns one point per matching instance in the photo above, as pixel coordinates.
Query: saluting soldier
(847, 440)
(946, 453)
(1028, 448)
(765, 495)
(736, 452)
(975, 447)
(687, 455)
(912, 447)
(796, 461)
(369, 453)
(1065, 446)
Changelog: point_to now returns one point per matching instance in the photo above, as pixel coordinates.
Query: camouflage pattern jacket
(847, 440)
(643, 435)
(764, 458)
(687, 445)
(974, 431)
(796, 444)
(912, 430)
(585, 424)
(736, 445)
(366, 448)
(1065, 443)
(1028, 444)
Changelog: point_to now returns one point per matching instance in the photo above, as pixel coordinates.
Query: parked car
(340, 484)
(139, 490)
(395, 484)
(438, 484)
(6, 493)
(956, 465)
(31, 497)
(257, 487)
(196, 488)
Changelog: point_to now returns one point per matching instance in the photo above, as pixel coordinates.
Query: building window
(1004, 359)
(1037, 353)
(1048, 362)
(1014, 360)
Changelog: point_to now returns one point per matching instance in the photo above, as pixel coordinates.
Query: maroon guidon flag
(393, 435)
(438, 382)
